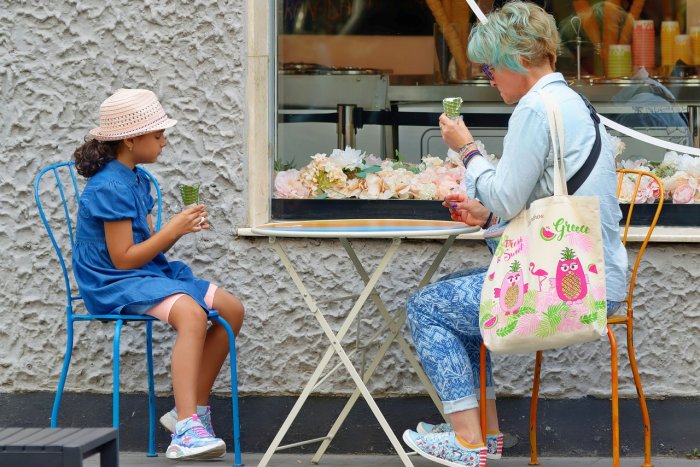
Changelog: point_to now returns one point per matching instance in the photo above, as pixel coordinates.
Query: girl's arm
(127, 255)
(153, 232)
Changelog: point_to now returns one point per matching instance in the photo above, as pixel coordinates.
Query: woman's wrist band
(464, 148)
(488, 221)
(467, 158)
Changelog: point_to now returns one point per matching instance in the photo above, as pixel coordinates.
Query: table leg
(335, 340)
(408, 352)
(395, 329)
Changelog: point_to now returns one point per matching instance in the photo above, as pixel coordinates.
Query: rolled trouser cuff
(468, 402)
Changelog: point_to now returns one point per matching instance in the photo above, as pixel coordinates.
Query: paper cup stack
(452, 107)
(669, 31)
(189, 194)
(620, 61)
(643, 47)
(695, 43)
(682, 50)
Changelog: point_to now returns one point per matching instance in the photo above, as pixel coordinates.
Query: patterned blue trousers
(444, 321)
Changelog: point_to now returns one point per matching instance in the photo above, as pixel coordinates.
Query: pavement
(139, 459)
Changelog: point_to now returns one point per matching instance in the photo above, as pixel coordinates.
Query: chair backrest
(57, 192)
(633, 185)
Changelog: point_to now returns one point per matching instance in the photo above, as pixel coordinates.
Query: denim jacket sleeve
(506, 188)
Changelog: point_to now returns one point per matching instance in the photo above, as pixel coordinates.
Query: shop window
(371, 75)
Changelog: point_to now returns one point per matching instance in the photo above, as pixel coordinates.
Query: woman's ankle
(473, 439)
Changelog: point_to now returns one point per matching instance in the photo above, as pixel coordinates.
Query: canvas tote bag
(545, 287)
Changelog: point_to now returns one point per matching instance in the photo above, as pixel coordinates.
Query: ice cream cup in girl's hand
(189, 194)
(452, 107)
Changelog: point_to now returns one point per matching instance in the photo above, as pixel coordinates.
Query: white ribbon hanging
(477, 11)
(609, 123)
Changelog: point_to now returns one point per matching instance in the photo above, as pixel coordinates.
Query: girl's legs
(190, 321)
(216, 342)
(444, 321)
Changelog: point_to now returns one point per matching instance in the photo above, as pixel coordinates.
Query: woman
(518, 46)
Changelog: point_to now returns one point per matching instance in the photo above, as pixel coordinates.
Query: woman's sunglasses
(488, 71)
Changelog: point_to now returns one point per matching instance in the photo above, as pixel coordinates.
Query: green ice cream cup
(189, 194)
(452, 107)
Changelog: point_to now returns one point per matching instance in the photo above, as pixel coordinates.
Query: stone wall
(58, 63)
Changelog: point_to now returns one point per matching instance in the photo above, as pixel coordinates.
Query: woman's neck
(535, 73)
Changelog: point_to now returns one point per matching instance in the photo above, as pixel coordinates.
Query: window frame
(261, 94)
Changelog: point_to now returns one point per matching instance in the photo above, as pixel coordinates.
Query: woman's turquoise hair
(518, 30)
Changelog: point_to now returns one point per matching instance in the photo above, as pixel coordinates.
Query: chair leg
(615, 400)
(151, 392)
(115, 374)
(640, 396)
(62, 378)
(234, 390)
(482, 389)
(533, 409)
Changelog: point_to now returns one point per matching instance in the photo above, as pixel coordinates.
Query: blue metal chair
(58, 205)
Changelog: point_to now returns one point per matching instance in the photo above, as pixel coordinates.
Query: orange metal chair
(636, 177)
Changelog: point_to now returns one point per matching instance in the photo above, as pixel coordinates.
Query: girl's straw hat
(128, 113)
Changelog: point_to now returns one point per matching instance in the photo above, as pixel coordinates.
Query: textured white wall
(58, 63)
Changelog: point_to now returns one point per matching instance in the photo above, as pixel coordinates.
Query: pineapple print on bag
(570, 281)
(512, 290)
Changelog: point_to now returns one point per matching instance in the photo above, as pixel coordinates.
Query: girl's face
(148, 147)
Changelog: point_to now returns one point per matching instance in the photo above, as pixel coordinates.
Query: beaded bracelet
(463, 148)
(488, 221)
(469, 156)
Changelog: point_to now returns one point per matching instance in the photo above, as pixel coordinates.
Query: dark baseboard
(579, 427)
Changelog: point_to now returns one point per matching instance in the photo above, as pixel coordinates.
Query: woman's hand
(463, 209)
(454, 132)
(192, 219)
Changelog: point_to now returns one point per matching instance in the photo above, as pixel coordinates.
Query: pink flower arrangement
(679, 173)
(349, 173)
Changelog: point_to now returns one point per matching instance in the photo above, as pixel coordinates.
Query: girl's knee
(230, 309)
(187, 316)
(228, 305)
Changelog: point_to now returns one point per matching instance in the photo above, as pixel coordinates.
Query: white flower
(453, 157)
(397, 183)
(684, 162)
(288, 184)
(348, 159)
(431, 161)
(372, 160)
(423, 190)
(618, 146)
(373, 189)
(639, 164)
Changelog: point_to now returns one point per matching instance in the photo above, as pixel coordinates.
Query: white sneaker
(494, 443)
(191, 441)
(169, 419)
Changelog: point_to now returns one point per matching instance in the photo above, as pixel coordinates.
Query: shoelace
(201, 431)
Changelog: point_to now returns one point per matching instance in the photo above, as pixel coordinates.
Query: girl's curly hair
(92, 155)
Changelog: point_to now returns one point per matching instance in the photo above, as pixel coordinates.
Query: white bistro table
(343, 230)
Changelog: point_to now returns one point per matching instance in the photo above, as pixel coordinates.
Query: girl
(120, 266)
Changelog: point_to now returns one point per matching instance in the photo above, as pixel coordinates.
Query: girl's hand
(468, 211)
(192, 219)
(454, 132)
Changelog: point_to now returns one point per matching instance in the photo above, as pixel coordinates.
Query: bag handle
(556, 133)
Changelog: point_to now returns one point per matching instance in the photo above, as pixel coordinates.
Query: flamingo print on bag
(512, 290)
(541, 274)
(571, 280)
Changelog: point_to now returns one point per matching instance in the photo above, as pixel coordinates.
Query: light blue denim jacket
(526, 169)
